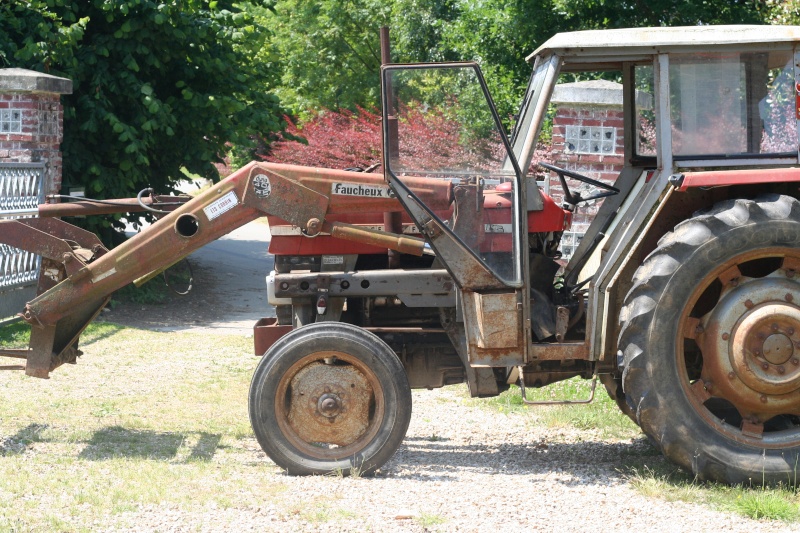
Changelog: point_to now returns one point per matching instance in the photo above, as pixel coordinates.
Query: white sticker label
(221, 205)
(358, 189)
(332, 260)
(262, 186)
(497, 228)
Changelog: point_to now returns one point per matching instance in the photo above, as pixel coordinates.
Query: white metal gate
(21, 192)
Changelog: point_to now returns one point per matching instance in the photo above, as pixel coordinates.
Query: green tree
(591, 14)
(158, 86)
(329, 50)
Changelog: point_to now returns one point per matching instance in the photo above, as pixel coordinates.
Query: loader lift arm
(79, 274)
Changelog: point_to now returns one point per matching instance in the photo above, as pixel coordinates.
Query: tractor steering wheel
(575, 199)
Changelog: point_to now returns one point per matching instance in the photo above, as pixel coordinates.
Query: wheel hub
(750, 344)
(329, 404)
(777, 349)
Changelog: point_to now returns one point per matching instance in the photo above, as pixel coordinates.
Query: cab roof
(591, 45)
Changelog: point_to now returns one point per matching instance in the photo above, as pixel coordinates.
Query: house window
(591, 140)
(10, 121)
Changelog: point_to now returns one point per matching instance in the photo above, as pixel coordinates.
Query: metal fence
(21, 192)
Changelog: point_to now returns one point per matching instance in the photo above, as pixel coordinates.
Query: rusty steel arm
(79, 208)
(255, 190)
(212, 214)
(79, 273)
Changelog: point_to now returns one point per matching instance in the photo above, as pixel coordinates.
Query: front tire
(711, 342)
(330, 397)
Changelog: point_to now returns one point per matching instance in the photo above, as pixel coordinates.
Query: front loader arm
(81, 283)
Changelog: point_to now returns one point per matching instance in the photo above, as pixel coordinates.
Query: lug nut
(731, 375)
(725, 336)
(765, 366)
(790, 331)
(774, 327)
(749, 304)
(781, 370)
(789, 297)
(795, 361)
(763, 399)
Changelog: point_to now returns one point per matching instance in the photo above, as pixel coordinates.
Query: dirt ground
(228, 294)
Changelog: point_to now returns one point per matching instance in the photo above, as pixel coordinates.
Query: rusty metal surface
(266, 332)
(480, 380)
(560, 352)
(213, 213)
(367, 283)
(392, 241)
(329, 404)
(751, 345)
(121, 205)
(741, 348)
(275, 194)
(436, 193)
(493, 326)
(64, 230)
(26, 237)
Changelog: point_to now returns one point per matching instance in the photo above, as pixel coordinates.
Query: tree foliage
(329, 49)
(332, 139)
(592, 14)
(157, 86)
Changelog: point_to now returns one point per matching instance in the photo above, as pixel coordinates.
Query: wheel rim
(329, 405)
(739, 348)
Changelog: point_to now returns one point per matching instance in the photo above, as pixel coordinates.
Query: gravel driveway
(462, 466)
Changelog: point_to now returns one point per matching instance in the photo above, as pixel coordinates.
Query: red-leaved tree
(429, 140)
(343, 139)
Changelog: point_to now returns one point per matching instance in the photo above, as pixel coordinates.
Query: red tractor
(681, 297)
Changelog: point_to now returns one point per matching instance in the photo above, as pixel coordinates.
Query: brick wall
(603, 167)
(587, 139)
(31, 121)
(41, 133)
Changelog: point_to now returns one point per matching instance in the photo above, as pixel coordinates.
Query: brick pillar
(588, 131)
(31, 121)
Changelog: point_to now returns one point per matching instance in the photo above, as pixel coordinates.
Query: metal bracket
(526, 401)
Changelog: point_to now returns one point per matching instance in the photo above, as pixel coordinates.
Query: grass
(159, 420)
(670, 483)
(427, 520)
(601, 416)
(647, 471)
(130, 426)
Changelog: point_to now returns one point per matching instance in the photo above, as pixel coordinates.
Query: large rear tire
(711, 342)
(330, 397)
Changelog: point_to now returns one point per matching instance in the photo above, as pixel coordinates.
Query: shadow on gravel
(441, 458)
(116, 441)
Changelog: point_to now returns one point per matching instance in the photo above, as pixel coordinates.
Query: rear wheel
(614, 389)
(330, 397)
(711, 342)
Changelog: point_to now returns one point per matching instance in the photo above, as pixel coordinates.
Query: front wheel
(711, 342)
(330, 397)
